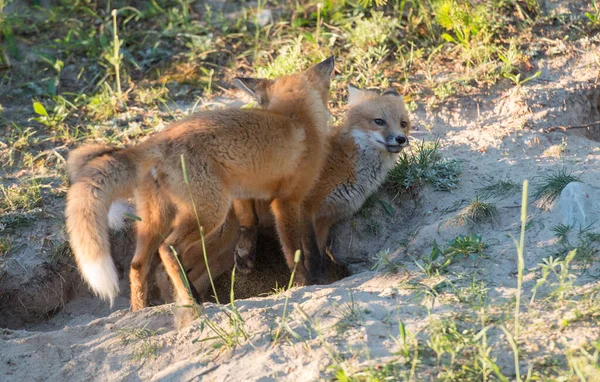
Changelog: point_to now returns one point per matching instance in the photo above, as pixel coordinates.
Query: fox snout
(395, 143)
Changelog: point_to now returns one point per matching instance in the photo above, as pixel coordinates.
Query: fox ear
(324, 68)
(391, 91)
(356, 95)
(255, 87)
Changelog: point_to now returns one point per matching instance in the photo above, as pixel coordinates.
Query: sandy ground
(354, 322)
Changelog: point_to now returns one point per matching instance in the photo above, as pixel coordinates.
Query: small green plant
(461, 247)
(551, 185)
(144, 347)
(502, 189)
(102, 105)
(23, 197)
(350, 315)
(560, 268)
(292, 58)
(59, 113)
(383, 263)
(594, 16)
(283, 323)
(478, 211)
(586, 242)
(424, 166)
(516, 78)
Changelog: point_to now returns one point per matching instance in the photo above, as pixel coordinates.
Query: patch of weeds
(424, 166)
(474, 294)
(56, 117)
(6, 245)
(461, 354)
(594, 16)
(143, 346)
(560, 269)
(561, 232)
(444, 90)
(477, 212)
(461, 247)
(18, 141)
(373, 227)
(384, 264)
(367, 44)
(391, 371)
(367, 208)
(551, 185)
(503, 189)
(291, 58)
(25, 197)
(587, 243)
(349, 315)
(102, 105)
(151, 96)
(60, 252)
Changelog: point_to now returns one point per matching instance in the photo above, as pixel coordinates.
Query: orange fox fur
(274, 154)
(360, 156)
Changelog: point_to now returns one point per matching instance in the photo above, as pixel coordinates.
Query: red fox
(273, 154)
(362, 151)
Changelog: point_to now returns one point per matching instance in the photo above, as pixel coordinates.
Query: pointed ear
(255, 87)
(356, 95)
(391, 91)
(324, 68)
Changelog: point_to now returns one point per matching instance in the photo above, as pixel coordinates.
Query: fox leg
(245, 250)
(322, 227)
(155, 214)
(219, 248)
(312, 258)
(185, 232)
(287, 220)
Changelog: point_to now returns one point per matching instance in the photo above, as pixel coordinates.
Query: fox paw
(244, 260)
(184, 315)
(245, 251)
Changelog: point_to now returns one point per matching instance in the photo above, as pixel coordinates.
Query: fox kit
(273, 154)
(362, 151)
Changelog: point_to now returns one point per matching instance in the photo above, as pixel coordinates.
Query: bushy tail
(98, 176)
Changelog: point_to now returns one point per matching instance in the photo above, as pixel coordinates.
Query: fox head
(310, 84)
(381, 119)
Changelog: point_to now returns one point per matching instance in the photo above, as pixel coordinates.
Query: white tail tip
(116, 214)
(102, 277)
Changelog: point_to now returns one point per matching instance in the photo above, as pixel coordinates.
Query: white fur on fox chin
(102, 277)
(116, 214)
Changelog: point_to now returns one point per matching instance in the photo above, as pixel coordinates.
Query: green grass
(140, 339)
(22, 197)
(423, 166)
(502, 189)
(476, 212)
(384, 264)
(549, 187)
(461, 247)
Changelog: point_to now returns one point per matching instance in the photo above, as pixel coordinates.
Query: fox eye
(379, 122)
(403, 124)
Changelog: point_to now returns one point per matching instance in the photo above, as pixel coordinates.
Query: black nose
(401, 140)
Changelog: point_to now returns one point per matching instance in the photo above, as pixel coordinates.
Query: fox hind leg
(287, 220)
(185, 233)
(155, 212)
(245, 250)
